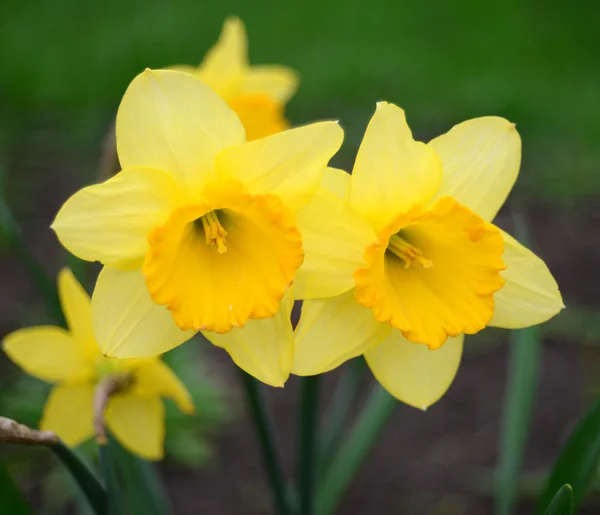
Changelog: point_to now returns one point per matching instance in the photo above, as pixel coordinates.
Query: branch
(107, 387)
(12, 432)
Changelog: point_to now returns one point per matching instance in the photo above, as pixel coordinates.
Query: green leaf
(83, 475)
(11, 499)
(562, 504)
(144, 489)
(352, 452)
(523, 369)
(11, 234)
(109, 472)
(578, 461)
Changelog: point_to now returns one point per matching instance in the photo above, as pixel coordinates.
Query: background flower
(72, 361)
(257, 94)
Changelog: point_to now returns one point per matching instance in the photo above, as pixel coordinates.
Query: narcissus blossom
(198, 222)
(257, 94)
(409, 260)
(72, 361)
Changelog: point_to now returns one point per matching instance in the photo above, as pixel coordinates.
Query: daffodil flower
(71, 359)
(258, 94)
(198, 230)
(408, 261)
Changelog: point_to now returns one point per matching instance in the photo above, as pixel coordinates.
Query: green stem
(88, 482)
(307, 442)
(107, 465)
(524, 360)
(266, 435)
(14, 237)
(341, 403)
(353, 451)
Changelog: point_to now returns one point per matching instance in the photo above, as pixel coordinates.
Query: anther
(214, 232)
(407, 252)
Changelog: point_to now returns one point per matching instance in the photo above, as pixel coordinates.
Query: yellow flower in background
(257, 94)
(72, 361)
(199, 223)
(408, 260)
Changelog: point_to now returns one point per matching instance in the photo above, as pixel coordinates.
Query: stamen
(214, 232)
(407, 252)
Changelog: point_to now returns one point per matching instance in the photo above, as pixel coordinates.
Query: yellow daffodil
(71, 359)
(258, 94)
(409, 260)
(199, 223)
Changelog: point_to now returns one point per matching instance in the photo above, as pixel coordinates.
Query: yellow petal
(277, 82)
(221, 262)
(47, 352)
(110, 222)
(412, 372)
(259, 113)
(530, 295)
(263, 348)
(127, 323)
(138, 423)
(337, 182)
(332, 331)
(289, 164)
(226, 63)
(334, 237)
(433, 274)
(481, 160)
(154, 377)
(392, 172)
(69, 413)
(185, 68)
(174, 122)
(76, 306)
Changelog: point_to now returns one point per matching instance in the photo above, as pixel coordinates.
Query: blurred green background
(64, 65)
(533, 62)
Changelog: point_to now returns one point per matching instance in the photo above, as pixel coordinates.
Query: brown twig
(107, 387)
(13, 432)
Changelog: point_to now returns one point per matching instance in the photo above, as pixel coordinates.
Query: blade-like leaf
(88, 482)
(354, 449)
(562, 504)
(109, 472)
(520, 395)
(11, 235)
(11, 500)
(578, 461)
(144, 490)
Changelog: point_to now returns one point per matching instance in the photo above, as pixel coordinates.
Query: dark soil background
(440, 461)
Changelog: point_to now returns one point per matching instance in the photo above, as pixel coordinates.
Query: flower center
(214, 234)
(407, 252)
(112, 367)
(221, 262)
(430, 303)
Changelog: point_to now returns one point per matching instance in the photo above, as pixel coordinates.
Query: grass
(531, 62)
